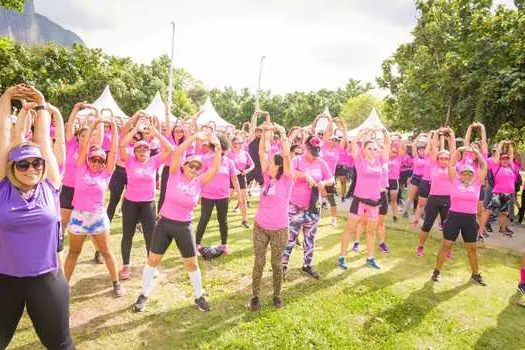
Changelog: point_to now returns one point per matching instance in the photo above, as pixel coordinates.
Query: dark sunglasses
(24, 165)
(194, 166)
(137, 139)
(97, 160)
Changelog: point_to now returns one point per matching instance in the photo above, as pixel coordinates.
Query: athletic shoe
(372, 262)
(245, 224)
(507, 233)
(225, 249)
(521, 288)
(277, 302)
(485, 234)
(255, 304)
(309, 270)
(235, 210)
(125, 273)
(488, 228)
(476, 278)
(98, 258)
(405, 214)
(383, 247)
(481, 239)
(450, 255)
(202, 304)
(436, 276)
(355, 248)
(394, 219)
(341, 262)
(117, 289)
(140, 303)
(420, 251)
(334, 222)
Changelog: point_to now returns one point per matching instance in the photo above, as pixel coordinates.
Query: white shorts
(88, 223)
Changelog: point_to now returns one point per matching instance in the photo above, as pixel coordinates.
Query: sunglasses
(137, 139)
(179, 131)
(141, 150)
(24, 165)
(194, 166)
(469, 173)
(372, 149)
(97, 160)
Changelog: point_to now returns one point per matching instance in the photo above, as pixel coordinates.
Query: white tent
(157, 108)
(322, 124)
(209, 114)
(371, 122)
(105, 100)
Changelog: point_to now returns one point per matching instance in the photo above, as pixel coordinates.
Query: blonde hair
(10, 173)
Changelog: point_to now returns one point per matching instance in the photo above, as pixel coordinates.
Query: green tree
(15, 5)
(359, 107)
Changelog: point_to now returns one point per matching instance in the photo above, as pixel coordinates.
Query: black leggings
(133, 212)
(46, 298)
(117, 183)
(435, 205)
(163, 185)
(521, 213)
(222, 216)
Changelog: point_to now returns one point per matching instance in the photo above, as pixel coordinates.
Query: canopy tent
(209, 114)
(157, 108)
(323, 122)
(371, 122)
(107, 101)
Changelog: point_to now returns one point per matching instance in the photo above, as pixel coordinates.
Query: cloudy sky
(309, 44)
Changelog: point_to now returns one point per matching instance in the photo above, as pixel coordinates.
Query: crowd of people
(55, 177)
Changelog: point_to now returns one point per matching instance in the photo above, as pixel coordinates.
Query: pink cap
(466, 167)
(193, 158)
(141, 143)
(97, 152)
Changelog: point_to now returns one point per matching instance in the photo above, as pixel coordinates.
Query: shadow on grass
(90, 287)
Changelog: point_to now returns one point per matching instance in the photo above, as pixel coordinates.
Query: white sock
(409, 203)
(147, 280)
(196, 282)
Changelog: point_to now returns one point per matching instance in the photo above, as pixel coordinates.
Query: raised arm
(112, 155)
(210, 173)
(287, 159)
(85, 144)
(451, 139)
(452, 173)
(179, 151)
(70, 126)
(328, 132)
(167, 147)
(5, 124)
(263, 154)
(483, 169)
(387, 144)
(59, 147)
(434, 143)
(484, 143)
(468, 134)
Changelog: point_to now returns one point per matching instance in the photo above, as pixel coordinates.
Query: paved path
(515, 245)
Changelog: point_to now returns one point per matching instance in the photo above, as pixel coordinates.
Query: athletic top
(418, 166)
(407, 162)
(272, 213)
(141, 178)
(241, 160)
(29, 230)
(318, 170)
(106, 140)
(90, 188)
(219, 186)
(439, 180)
(331, 156)
(182, 195)
(368, 183)
(394, 168)
(72, 148)
(504, 177)
(427, 169)
(464, 198)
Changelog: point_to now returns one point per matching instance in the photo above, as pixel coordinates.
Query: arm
(498, 152)
(387, 142)
(287, 159)
(468, 135)
(179, 151)
(484, 143)
(483, 169)
(434, 144)
(70, 126)
(253, 124)
(112, 156)
(452, 173)
(327, 134)
(167, 122)
(167, 147)
(451, 140)
(84, 146)
(263, 155)
(125, 142)
(210, 173)
(5, 126)
(22, 123)
(59, 148)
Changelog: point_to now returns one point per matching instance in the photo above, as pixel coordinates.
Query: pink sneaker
(125, 273)
(225, 249)
(450, 255)
(419, 251)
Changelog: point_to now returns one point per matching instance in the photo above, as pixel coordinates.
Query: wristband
(41, 107)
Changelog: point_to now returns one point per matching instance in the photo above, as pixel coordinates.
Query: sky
(308, 44)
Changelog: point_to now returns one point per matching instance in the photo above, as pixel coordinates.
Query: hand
(311, 182)
(27, 105)
(280, 129)
(14, 92)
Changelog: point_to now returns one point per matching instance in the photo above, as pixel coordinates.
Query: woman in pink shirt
(439, 194)
(394, 172)
(183, 192)
(464, 192)
(418, 166)
(423, 190)
(243, 165)
(366, 200)
(138, 204)
(89, 217)
(271, 219)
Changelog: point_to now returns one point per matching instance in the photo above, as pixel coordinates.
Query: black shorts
(242, 181)
(330, 195)
(341, 170)
(383, 207)
(66, 197)
(403, 177)
(167, 230)
(393, 185)
(424, 188)
(460, 222)
(416, 179)
(255, 174)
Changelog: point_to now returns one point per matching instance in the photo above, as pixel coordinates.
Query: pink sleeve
(157, 161)
(231, 166)
(250, 160)
(326, 172)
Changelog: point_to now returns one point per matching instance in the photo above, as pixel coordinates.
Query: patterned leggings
(277, 241)
(308, 221)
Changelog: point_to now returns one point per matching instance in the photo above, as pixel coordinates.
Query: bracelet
(41, 107)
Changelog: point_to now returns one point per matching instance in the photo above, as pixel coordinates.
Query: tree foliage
(466, 62)
(15, 5)
(357, 109)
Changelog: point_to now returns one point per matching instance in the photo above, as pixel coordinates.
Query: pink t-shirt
(318, 171)
(350, 162)
(275, 148)
(369, 180)
(407, 162)
(331, 156)
(106, 140)
(439, 180)
(394, 168)
(241, 160)
(182, 195)
(72, 148)
(272, 213)
(427, 169)
(141, 178)
(464, 198)
(219, 186)
(504, 178)
(89, 189)
(418, 166)
(343, 155)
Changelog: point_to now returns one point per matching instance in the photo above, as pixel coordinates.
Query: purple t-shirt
(29, 230)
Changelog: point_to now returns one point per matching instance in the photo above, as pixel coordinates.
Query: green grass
(393, 308)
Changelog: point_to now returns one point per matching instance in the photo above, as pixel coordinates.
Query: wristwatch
(41, 107)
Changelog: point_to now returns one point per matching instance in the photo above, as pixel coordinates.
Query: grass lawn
(396, 307)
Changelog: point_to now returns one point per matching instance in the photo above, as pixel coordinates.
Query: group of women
(54, 179)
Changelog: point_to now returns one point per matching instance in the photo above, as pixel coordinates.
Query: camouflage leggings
(277, 241)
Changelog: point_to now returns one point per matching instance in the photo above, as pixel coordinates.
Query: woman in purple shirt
(30, 276)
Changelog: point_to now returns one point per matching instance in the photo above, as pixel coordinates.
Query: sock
(196, 282)
(522, 275)
(147, 280)
(409, 203)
